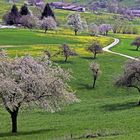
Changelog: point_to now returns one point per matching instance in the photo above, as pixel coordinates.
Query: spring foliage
(26, 81)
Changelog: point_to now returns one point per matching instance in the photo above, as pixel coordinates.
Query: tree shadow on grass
(85, 86)
(119, 106)
(42, 32)
(87, 58)
(63, 62)
(134, 49)
(24, 133)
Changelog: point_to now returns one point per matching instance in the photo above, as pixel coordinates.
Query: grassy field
(21, 41)
(125, 47)
(106, 110)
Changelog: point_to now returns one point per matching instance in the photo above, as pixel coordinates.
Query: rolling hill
(129, 3)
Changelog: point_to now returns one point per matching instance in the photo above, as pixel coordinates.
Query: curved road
(116, 41)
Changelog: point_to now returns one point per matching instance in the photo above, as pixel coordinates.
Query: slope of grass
(3, 8)
(106, 110)
(61, 15)
(125, 47)
(34, 42)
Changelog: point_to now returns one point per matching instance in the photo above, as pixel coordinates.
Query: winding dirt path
(116, 41)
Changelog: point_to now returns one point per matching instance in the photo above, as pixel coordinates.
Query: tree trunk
(46, 30)
(66, 58)
(75, 32)
(106, 33)
(95, 55)
(114, 31)
(94, 81)
(137, 48)
(14, 120)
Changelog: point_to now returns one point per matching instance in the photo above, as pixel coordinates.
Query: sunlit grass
(35, 42)
(125, 46)
(106, 109)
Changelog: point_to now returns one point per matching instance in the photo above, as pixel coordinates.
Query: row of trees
(102, 29)
(25, 18)
(121, 26)
(14, 15)
(47, 20)
(94, 48)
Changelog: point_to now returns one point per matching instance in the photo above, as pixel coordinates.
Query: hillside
(129, 3)
(104, 112)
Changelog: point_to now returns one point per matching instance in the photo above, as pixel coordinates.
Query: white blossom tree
(28, 21)
(93, 29)
(104, 29)
(26, 81)
(95, 69)
(131, 76)
(48, 24)
(75, 21)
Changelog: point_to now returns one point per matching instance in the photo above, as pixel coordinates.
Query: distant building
(135, 13)
(67, 6)
(38, 3)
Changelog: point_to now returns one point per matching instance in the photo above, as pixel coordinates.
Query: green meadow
(125, 46)
(107, 110)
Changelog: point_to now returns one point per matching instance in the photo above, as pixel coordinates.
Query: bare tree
(131, 75)
(95, 68)
(48, 24)
(95, 48)
(26, 81)
(136, 43)
(67, 52)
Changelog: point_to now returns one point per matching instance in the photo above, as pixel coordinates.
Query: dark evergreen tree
(24, 10)
(13, 16)
(47, 12)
